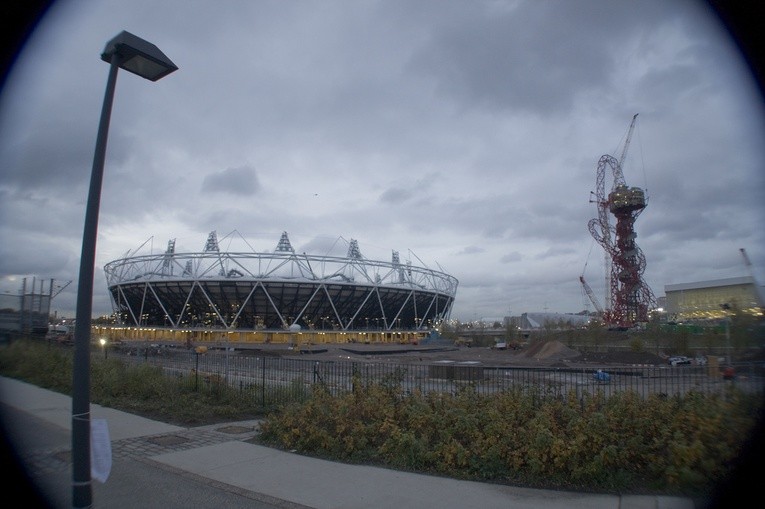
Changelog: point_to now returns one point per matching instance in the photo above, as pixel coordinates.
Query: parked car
(700, 361)
(678, 360)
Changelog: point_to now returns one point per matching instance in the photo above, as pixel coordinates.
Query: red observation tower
(629, 297)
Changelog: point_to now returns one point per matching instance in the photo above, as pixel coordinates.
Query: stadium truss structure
(280, 290)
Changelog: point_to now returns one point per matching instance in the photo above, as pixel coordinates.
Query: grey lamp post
(146, 60)
(726, 308)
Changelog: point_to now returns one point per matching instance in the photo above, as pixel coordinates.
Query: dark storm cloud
(240, 180)
(396, 195)
(554, 252)
(532, 56)
(511, 257)
(56, 156)
(42, 252)
(469, 250)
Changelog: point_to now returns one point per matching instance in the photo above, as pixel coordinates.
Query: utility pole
(726, 307)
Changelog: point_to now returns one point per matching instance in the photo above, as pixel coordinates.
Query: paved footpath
(168, 467)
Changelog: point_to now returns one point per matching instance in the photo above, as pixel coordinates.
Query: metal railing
(276, 380)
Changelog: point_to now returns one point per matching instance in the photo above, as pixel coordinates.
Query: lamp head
(138, 56)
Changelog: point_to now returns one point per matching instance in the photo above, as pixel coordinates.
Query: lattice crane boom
(626, 146)
(591, 296)
(747, 262)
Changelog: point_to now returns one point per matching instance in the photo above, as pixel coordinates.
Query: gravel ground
(542, 354)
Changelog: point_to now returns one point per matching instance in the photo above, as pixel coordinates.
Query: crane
(588, 290)
(591, 295)
(627, 142)
(747, 262)
(58, 288)
(628, 297)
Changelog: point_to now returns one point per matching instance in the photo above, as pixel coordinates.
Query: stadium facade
(714, 299)
(261, 293)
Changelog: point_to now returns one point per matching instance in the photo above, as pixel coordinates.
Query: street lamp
(726, 308)
(140, 57)
(103, 345)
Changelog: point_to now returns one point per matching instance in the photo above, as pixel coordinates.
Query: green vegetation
(625, 443)
(143, 389)
(743, 337)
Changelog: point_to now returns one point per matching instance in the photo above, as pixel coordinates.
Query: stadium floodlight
(140, 57)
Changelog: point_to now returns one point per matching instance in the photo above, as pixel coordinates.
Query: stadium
(216, 295)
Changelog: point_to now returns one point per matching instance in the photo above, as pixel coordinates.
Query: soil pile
(550, 351)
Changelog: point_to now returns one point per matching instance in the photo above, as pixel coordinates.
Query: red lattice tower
(630, 297)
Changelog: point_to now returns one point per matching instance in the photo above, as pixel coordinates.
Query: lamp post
(140, 57)
(726, 307)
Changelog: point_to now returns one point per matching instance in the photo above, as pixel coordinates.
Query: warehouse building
(713, 300)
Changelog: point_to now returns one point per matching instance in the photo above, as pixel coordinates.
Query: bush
(625, 442)
(43, 364)
(142, 389)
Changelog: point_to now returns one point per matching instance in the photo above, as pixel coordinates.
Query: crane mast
(591, 295)
(747, 262)
(627, 143)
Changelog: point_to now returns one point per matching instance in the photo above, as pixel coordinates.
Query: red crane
(629, 297)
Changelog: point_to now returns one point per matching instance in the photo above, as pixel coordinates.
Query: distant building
(706, 300)
(27, 311)
(530, 321)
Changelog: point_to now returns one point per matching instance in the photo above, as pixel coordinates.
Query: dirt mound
(550, 350)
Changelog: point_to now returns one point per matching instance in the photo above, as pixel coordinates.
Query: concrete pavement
(165, 466)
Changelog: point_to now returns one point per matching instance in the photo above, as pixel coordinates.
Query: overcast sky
(464, 135)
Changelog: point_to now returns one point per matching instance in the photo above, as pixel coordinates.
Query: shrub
(43, 364)
(141, 389)
(625, 442)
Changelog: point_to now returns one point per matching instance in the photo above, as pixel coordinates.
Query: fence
(277, 380)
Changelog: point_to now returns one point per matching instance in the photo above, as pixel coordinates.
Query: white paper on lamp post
(100, 450)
